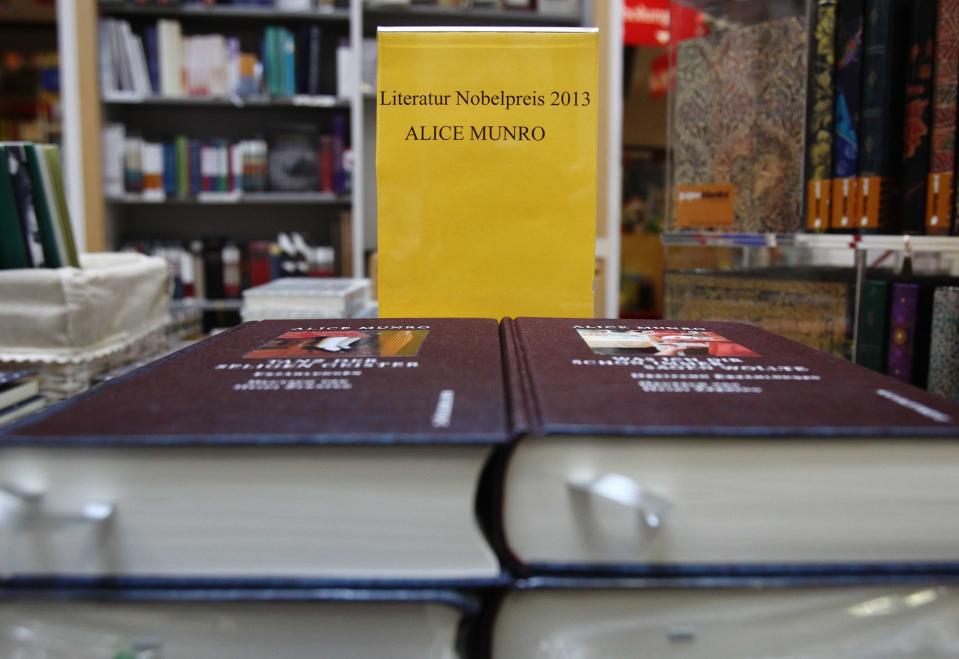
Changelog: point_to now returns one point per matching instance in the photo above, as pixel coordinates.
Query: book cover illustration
(368, 343)
(662, 343)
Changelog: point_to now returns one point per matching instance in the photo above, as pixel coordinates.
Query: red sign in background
(655, 22)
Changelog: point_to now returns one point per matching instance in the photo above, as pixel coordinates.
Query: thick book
(677, 448)
(873, 325)
(729, 619)
(277, 452)
(237, 623)
(917, 144)
(944, 344)
(17, 386)
(488, 138)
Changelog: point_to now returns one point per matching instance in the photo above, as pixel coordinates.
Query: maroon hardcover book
(713, 448)
(706, 379)
(300, 382)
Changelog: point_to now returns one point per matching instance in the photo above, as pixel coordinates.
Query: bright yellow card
(486, 172)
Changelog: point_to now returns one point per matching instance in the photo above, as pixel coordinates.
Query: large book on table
(659, 448)
(917, 143)
(729, 619)
(488, 139)
(315, 452)
(236, 623)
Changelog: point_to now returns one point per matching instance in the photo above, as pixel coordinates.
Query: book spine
(848, 100)
(944, 344)
(944, 86)
(821, 94)
(196, 176)
(208, 168)
(153, 58)
(918, 116)
(182, 167)
(902, 331)
(43, 207)
(259, 263)
(289, 62)
(313, 62)
(23, 198)
(326, 169)
(340, 183)
(873, 318)
(13, 245)
(170, 169)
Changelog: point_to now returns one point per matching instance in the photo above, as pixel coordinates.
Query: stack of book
(908, 329)
(293, 161)
(19, 395)
(535, 487)
(163, 62)
(35, 228)
(306, 297)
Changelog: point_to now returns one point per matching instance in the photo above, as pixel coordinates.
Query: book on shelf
(737, 618)
(940, 206)
(365, 469)
(216, 169)
(944, 343)
(34, 219)
(641, 435)
(166, 63)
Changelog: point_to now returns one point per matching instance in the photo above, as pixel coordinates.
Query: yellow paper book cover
(486, 171)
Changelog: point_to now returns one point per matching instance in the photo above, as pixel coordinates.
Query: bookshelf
(109, 221)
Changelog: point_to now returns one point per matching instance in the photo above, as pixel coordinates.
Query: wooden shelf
(833, 241)
(426, 15)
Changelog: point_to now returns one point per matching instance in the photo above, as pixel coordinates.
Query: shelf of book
(833, 241)
(299, 101)
(122, 9)
(266, 198)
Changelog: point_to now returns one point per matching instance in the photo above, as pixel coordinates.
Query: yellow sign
(486, 171)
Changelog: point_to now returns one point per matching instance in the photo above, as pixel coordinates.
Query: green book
(47, 213)
(13, 246)
(51, 156)
(873, 325)
(182, 166)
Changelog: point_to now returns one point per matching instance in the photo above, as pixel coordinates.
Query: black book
(16, 163)
(917, 141)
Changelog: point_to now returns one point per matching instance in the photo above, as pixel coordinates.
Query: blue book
(153, 57)
(289, 62)
(169, 169)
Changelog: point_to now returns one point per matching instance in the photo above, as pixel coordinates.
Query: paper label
(845, 211)
(939, 203)
(869, 203)
(703, 206)
(818, 203)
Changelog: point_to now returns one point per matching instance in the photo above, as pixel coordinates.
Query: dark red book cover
(395, 381)
(260, 268)
(662, 378)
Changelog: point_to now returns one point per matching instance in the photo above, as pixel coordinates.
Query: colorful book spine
(918, 117)
(819, 116)
(848, 101)
(944, 344)
(940, 216)
(873, 319)
(902, 331)
(880, 144)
